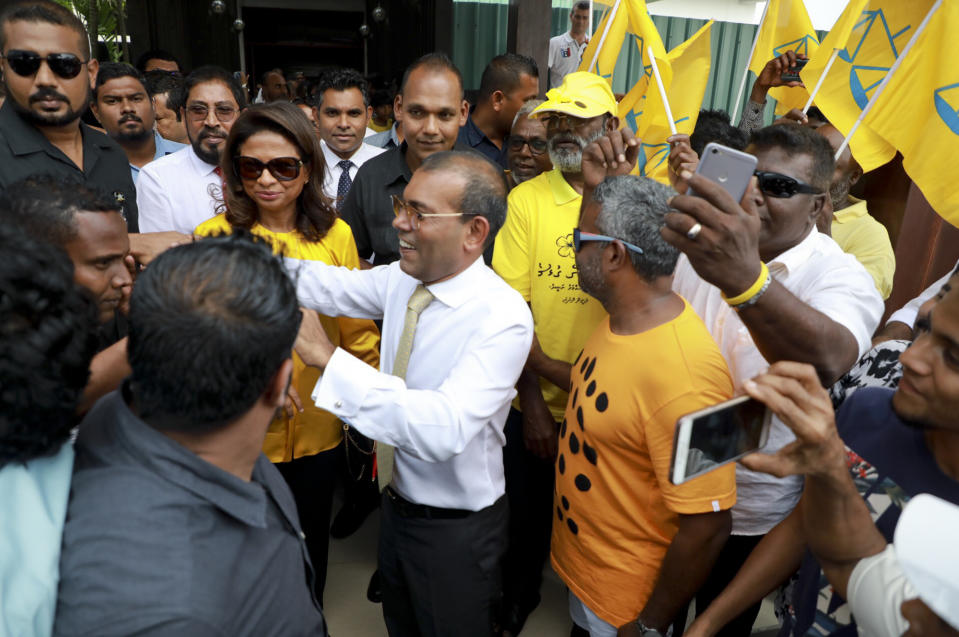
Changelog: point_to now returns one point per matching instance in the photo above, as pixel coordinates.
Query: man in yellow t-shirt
(534, 254)
(632, 547)
(853, 228)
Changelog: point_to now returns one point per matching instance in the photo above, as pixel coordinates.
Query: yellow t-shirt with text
(616, 511)
(534, 254)
(313, 430)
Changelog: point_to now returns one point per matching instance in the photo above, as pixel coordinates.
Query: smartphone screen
(713, 437)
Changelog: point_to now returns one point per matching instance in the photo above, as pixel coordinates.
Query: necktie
(343, 188)
(420, 298)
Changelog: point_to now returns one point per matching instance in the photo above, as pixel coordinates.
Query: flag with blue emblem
(918, 111)
(879, 32)
(785, 27)
(688, 66)
(624, 19)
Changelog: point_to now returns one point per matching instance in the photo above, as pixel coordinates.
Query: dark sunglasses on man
(783, 186)
(580, 237)
(536, 146)
(27, 63)
(283, 168)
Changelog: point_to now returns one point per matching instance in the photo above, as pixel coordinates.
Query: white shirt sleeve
(908, 312)
(339, 291)
(877, 588)
(156, 211)
(432, 425)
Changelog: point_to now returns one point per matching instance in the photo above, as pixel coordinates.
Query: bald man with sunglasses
(48, 73)
(770, 287)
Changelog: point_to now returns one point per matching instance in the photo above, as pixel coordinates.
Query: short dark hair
(211, 73)
(341, 80)
(799, 140)
(435, 62)
(157, 54)
(45, 207)
(484, 194)
(45, 11)
(815, 113)
(580, 6)
(169, 84)
(265, 73)
(714, 126)
(47, 340)
(211, 322)
(503, 73)
(381, 97)
(112, 70)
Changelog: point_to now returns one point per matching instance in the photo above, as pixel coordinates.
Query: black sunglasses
(283, 168)
(536, 146)
(783, 186)
(27, 63)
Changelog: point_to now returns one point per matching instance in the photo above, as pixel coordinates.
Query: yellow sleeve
(511, 252)
(214, 226)
(713, 491)
(871, 246)
(359, 337)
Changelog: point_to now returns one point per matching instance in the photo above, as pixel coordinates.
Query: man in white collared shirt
(182, 190)
(443, 530)
(342, 112)
(566, 50)
(817, 304)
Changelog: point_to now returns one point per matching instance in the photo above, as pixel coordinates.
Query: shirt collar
(24, 138)
(563, 193)
(245, 501)
(855, 209)
(397, 168)
(200, 166)
(795, 256)
(462, 287)
(473, 133)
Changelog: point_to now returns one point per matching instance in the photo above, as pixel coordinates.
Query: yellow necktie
(420, 298)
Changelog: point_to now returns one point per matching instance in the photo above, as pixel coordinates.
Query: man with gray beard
(534, 254)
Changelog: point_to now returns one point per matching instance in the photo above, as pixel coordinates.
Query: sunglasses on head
(283, 168)
(27, 63)
(536, 146)
(580, 237)
(783, 186)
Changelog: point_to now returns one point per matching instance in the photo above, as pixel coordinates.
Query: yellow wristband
(753, 289)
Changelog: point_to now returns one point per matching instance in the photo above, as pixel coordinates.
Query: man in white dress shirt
(566, 50)
(770, 287)
(443, 530)
(182, 190)
(342, 112)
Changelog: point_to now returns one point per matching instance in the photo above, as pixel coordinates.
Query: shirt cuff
(343, 387)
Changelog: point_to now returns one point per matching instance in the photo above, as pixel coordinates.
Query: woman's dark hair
(314, 211)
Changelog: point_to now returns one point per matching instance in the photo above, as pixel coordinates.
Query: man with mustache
(534, 254)
(431, 106)
(180, 191)
(123, 106)
(48, 73)
(527, 154)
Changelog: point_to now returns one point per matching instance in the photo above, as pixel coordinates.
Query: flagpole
(822, 78)
(662, 90)
(885, 80)
(752, 51)
(602, 39)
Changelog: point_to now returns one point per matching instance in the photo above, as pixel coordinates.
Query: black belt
(405, 508)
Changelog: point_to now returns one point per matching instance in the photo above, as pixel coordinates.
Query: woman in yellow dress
(273, 170)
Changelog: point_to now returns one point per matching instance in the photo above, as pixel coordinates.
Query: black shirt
(25, 152)
(470, 135)
(160, 542)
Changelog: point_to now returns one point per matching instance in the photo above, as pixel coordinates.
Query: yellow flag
(689, 65)
(786, 27)
(918, 111)
(642, 29)
(606, 42)
(880, 30)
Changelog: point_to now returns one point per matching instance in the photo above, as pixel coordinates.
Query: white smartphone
(712, 437)
(730, 168)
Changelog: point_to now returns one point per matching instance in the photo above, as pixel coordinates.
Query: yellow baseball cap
(582, 94)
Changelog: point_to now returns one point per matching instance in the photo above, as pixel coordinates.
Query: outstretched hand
(682, 158)
(312, 343)
(611, 155)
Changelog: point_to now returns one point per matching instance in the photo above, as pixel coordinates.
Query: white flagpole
(885, 80)
(662, 90)
(752, 51)
(822, 78)
(602, 39)
(589, 28)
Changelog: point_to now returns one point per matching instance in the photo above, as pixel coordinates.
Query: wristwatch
(645, 630)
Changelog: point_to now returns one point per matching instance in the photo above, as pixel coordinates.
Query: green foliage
(105, 14)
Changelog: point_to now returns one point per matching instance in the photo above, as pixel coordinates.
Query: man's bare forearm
(107, 371)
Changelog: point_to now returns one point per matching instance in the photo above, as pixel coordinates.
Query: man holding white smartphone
(631, 546)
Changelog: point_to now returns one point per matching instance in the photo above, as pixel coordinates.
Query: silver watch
(646, 631)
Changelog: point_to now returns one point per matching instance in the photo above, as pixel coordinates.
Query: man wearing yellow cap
(534, 254)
